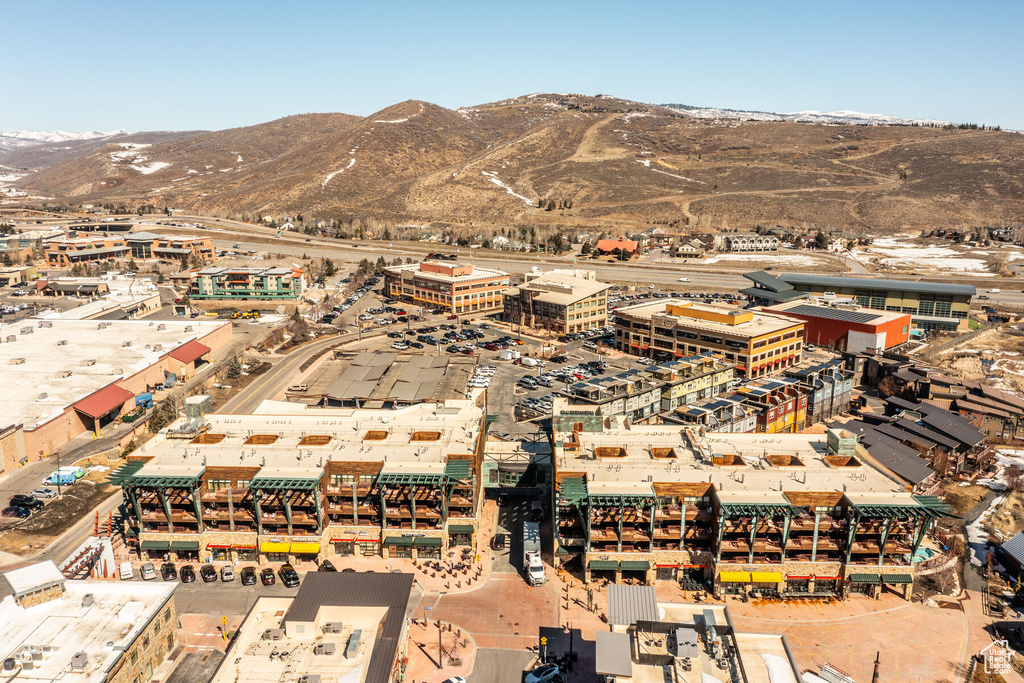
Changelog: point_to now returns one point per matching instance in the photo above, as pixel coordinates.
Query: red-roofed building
(187, 358)
(103, 406)
(616, 247)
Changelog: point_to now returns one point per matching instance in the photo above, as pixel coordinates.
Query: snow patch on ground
(896, 252)
(393, 121)
(647, 164)
(239, 159)
(493, 177)
(151, 167)
(351, 163)
(783, 259)
(977, 537)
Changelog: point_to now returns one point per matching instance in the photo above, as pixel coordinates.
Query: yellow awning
(273, 547)
(735, 577)
(306, 548)
(766, 577)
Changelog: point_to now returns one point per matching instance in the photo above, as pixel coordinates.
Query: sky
(217, 64)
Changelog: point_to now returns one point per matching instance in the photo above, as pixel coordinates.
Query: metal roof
(359, 589)
(769, 295)
(1015, 547)
(877, 283)
(188, 352)
(902, 460)
(613, 654)
(285, 483)
(856, 317)
(630, 604)
(106, 400)
(769, 282)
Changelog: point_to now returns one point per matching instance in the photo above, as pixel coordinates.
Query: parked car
(187, 574)
(543, 674)
(23, 501)
(147, 571)
(125, 571)
(247, 576)
(168, 572)
(267, 577)
(208, 573)
(44, 493)
(289, 577)
(17, 512)
(326, 566)
(498, 542)
(454, 679)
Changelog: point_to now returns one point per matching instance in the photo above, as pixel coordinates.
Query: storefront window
(371, 548)
(277, 557)
(221, 554)
(344, 548)
(248, 555)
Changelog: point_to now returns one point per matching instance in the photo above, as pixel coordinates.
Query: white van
(125, 571)
(993, 291)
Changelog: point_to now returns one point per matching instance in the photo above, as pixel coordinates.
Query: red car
(453, 317)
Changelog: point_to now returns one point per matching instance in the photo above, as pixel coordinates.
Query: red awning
(694, 566)
(791, 576)
(666, 566)
(186, 353)
(829, 578)
(342, 540)
(214, 546)
(104, 401)
(243, 547)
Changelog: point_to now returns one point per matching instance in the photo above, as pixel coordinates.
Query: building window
(167, 614)
(134, 657)
(170, 642)
(145, 641)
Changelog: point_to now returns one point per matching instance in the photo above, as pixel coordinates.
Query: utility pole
(874, 675)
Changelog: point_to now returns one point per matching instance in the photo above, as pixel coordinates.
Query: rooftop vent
(79, 660)
(16, 361)
(62, 342)
(125, 344)
(88, 363)
(63, 374)
(27, 330)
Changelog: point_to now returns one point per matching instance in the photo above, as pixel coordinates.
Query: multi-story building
(730, 413)
(781, 404)
(148, 245)
(86, 631)
(932, 305)
(295, 483)
(790, 514)
(685, 381)
(69, 250)
(848, 327)
(451, 287)
(829, 386)
(247, 283)
(558, 302)
(759, 343)
(746, 242)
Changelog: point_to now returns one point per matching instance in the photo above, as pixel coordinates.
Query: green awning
(398, 540)
(126, 471)
(460, 529)
(432, 541)
(621, 500)
(732, 510)
(285, 484)
(409, 479)
(457, 469)
(634, 565)
(184, 545)
(155, 545)
(604, 565)
(864, 578)
(161, 482)
(130, 531)
(897, 578)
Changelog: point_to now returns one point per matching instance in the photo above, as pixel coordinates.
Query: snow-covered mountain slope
(16, 139)
(843, 116)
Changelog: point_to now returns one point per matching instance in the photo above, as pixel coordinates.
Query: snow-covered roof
(34, 577)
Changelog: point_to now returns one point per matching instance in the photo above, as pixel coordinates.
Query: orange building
(452, 287)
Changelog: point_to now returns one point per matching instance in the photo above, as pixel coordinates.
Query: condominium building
(71, 249)
(829, 388)
(781, 404)
(758, 343)
(67, 251)
(786, 515)
(295, 483)
(247, 283)
(450, 287)
(559, 302)
(148, 245)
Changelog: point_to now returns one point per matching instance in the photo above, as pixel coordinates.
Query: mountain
(26, 138)
(44, 155)
(829, 117)
(622, 165)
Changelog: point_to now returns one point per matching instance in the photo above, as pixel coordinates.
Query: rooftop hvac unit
(158, 347)
(188, 328)
(27, 330)
(79, 661)
(10, 664)
(273, 634)
(125, 344)
(41, 396)
(88, 600)
(62, 342)
(27, 665)
(45, 323)
(63, 374)
(353, 644)
(160, 327)
(11, 338)
(324, 649)
(88, 363)
(333, 627)
(16, 361)
(309, 678)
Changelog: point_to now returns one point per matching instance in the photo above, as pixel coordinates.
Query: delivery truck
(533, 567)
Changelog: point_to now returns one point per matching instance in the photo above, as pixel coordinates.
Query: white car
(684, 279)
(44, 493)
(543, 674)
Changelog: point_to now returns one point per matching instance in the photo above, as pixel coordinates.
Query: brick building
(451, 287)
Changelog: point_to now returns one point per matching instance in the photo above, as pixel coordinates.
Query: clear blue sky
(145, 65)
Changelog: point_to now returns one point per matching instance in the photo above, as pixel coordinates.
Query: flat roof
(877, 283)
(561, 289)
(31, 363)
(119, 613)
(33, 577)
(761, 322)
(856, 315)
(369, 611)
(422, 435)
(406, 378)
(477, 274)
(627, 459)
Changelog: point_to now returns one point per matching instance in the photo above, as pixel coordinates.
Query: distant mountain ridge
(811, 116)
(25, 138)
(558, 161)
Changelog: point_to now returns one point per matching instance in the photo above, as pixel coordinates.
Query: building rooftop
(377, 378)
(36, 355)
(857, 315)
(685, 313)
(345, 627)
(302, 439)
(751, 465)
(877, 283)
(103, 630)
(559, 288)
(437, 271)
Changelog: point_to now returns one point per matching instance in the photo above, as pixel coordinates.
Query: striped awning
(735, 577)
